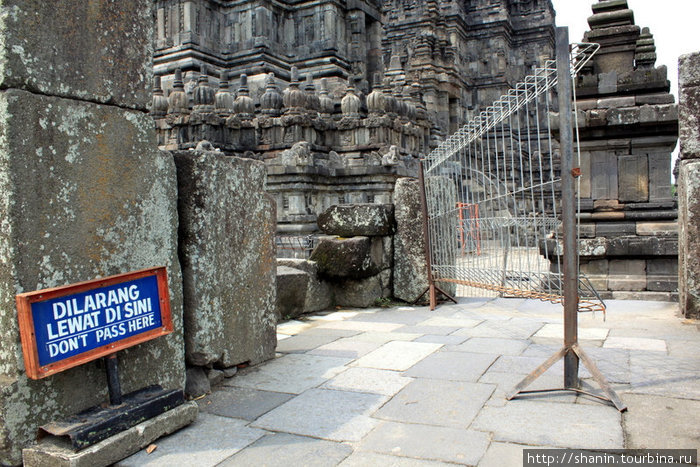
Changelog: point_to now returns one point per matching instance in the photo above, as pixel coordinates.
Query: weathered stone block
(643, 246)
(348, 220)
(83, 194)
(627, 275)
(83, 51)
(689, 70)
(689, 238)
(318, 293)
(355, 258)
(292, 285)
(667, 228)
(227, 225)
(662, 275)
(361, 293)
(626, 116)
(614, 229)
(689, 122)
(410, 268)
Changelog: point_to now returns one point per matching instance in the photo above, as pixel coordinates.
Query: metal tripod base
(587, 362)
(433, 289)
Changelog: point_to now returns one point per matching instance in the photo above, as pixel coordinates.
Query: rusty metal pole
(426, 237)
(568, 212)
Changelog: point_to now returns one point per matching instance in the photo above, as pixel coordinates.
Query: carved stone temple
(339, 99)
(628, 123)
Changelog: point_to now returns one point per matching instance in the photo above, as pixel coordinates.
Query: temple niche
(338, 99)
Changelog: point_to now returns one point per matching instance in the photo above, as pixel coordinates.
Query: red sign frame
(27, 331)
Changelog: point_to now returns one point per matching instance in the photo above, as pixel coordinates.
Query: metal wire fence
(493, 193)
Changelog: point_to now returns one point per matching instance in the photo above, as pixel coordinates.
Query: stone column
(84, 192)
(689, 186)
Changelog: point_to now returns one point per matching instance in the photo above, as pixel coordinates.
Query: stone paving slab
(396, 316)
(384, 337)
(207, 441)
(556, 331)
(445, 340)
(370, 380)
(523, 365)
(659, 374)
(365, 326)
(291, 373)
(397, 356)
(324, 413)
(427, 442)
(433, 330)
(303, 343)
(553, 424)
(505, 454)
(501, 329)
(365, 459)
(674, 421)
(491, 345)
(636, 343)
(245, 403)
(346, 348)
(334, 316)
(437, 402)
(293, 327)
(454, 366)
(285, 450)
(459, 323)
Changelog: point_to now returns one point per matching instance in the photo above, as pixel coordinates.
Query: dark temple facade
(338, 98)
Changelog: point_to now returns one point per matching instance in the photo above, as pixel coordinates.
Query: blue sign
(70, 325)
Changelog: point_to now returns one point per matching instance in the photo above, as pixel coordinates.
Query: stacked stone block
(689, 186)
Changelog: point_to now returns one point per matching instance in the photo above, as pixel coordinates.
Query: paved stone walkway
(409, 387)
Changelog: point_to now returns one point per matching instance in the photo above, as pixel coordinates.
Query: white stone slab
(285, 450)
(453, 366)
(553, 424)
(292, 373)
(440, 321)
(365, 459)
(635, 343)
(397, 355)
(326, 414)
(556, 331)
(370, 380)
(293, 327)
(437, 402)
(491, 345)
(346, 348)
(336, 316)
(208, 441)
(384, 337)
(427, 442)
(366, 326)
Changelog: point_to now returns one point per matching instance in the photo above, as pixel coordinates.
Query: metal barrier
(521, 181)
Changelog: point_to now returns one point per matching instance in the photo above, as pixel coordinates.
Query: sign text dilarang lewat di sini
(67, 326)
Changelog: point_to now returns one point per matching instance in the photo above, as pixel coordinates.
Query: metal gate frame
(566, 68)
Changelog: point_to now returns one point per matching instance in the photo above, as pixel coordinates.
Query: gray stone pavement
(409, 387)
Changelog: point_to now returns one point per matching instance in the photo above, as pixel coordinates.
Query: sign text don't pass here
(71, 325)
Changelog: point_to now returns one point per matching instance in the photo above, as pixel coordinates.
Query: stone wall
(370, 253)
(689, 186)
(84, 192)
